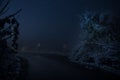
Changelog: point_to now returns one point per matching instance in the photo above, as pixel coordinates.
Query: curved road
(56, 67)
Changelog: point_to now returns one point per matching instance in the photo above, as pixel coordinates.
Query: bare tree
(4, 6)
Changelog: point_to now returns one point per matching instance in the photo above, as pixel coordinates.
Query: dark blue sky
(54, 22)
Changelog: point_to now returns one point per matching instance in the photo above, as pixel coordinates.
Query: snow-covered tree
(98, 42)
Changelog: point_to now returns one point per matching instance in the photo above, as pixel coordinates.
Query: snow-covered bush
(98, 42)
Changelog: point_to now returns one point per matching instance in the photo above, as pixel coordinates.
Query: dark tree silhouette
(12, 30)
(11, 66)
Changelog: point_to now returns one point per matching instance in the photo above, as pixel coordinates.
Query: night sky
(53, 23)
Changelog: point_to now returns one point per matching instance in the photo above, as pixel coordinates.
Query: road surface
(56, 67)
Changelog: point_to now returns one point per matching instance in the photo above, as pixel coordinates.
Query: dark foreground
(56, 67)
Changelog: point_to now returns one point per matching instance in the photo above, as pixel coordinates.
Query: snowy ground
(57, 67)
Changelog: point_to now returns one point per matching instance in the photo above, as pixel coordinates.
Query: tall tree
(11, 66)
(12, 30)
